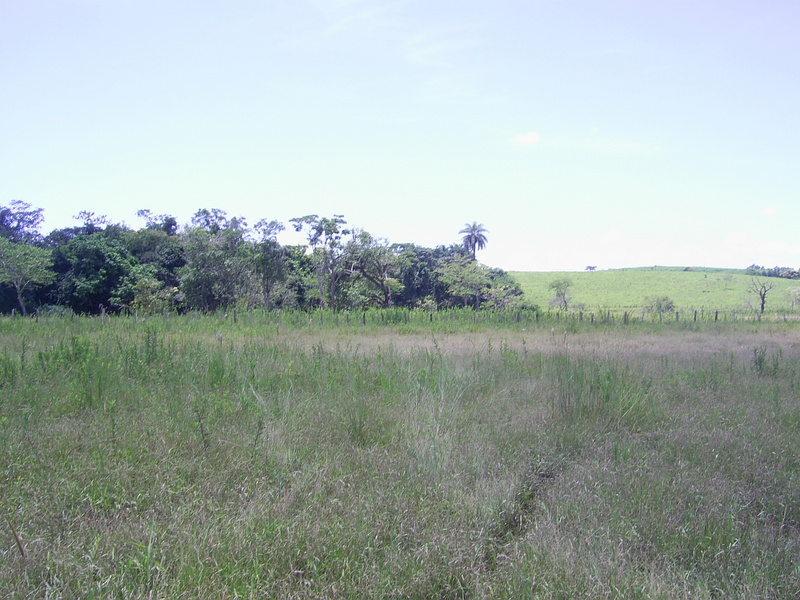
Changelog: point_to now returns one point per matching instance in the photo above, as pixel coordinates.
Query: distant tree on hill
(563, 295)
(760, 271)
(760, 288)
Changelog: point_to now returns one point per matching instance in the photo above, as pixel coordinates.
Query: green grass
(629, 289)
(200, 457)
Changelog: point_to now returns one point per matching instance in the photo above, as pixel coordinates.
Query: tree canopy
(217, 261)
(474, 237)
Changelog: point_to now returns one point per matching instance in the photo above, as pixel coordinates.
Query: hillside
(629, 289)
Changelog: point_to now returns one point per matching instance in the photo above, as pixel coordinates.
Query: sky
(611, 133)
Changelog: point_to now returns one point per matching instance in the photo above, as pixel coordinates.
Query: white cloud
(769, 212)
(528, 139)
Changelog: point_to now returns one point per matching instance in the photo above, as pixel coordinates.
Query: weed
(438, 455)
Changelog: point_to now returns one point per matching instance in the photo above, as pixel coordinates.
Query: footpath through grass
(188, 458)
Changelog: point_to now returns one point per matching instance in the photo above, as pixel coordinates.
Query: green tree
(166, 223)
(375, 265)
(326, 238)
(219, 263)
(464, 278)
(563, 292)
(660, 304)
(418, 273)
(98, 266)
(19, 222)
(474, 237)
(300, 288)
(271, 266)
(504, 292)
(24, 266)
(157, 248)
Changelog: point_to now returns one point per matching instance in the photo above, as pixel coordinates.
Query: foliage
(219, 267)
(160, 250)
(19, 222)
(660, 304)
(474, 237)
(375, 266)
(24, 266)
(98, 268)
(563, 292)
(217, 262)
(165, 223)
(271, 266)
(326, 238)
(464, 278)
(761, 271)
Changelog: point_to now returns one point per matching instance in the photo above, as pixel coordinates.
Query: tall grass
(265, 457)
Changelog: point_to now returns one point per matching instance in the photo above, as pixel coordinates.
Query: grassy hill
(630, 289)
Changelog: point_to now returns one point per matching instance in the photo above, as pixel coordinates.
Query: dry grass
(614, 462)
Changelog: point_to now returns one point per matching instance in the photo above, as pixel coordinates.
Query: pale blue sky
(606, 132)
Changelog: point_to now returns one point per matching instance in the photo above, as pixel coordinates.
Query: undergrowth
(197, 457)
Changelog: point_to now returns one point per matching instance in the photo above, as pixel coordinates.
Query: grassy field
(630, 289)
(206, 458)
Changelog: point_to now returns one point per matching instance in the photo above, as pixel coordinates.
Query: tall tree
(97, 268)
(464, 278)
(474, 237)
(166, 223)
(326, 237)
(270, 259)
(24, 266)
(219, 266)
(563, 295)
(375, 265)
(19, 222)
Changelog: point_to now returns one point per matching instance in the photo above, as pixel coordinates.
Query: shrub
(660, 304)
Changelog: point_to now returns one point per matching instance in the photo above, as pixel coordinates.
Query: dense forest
(219, 262)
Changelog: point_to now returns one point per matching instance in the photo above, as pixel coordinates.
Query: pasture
(630, 289)
(188, 457)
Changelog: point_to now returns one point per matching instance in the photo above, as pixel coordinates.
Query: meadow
(324, 456)
(631, 289)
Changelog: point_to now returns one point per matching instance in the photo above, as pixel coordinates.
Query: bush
(660, 304)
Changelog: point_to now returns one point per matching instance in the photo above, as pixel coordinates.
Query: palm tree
(474, 238)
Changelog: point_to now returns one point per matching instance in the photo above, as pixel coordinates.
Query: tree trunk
(21, 303)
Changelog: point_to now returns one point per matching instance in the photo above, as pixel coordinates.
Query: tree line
(219, 262)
